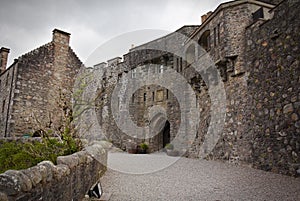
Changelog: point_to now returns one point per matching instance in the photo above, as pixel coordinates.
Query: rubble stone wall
(70, 179)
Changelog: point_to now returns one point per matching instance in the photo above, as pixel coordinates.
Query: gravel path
(189, 179)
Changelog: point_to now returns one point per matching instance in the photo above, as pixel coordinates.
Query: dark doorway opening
(166, 134)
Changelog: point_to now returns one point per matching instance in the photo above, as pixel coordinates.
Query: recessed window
(119, 76)
(3, 106)
(204, 40)
(215, 36)
(145, 97)
(7, 77)
(167, 94)
(219, 37)
(161, 69)
(180, 65)
(133, 73)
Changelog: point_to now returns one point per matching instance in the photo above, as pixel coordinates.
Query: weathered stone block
(9, 184)
(3, 197)
(34, 175)
(288, 108)
(23, 179)
(49, 168)
(71, 161)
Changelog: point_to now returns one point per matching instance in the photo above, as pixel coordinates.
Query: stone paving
(191, 179)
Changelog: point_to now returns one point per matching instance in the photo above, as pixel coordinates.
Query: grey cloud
(26, 25)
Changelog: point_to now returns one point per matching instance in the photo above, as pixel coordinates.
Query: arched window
(190, 54)
(204, 40)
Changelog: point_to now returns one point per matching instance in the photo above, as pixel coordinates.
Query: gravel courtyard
(173, 178)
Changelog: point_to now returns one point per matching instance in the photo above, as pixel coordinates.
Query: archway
(204, 40)
(166, 134)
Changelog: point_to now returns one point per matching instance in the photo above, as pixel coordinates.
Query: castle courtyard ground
(191, 179)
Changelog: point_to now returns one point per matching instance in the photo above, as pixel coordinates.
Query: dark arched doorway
(166, 134)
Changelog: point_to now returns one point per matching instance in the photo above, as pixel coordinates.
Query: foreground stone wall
(274, 78)
(70, 179)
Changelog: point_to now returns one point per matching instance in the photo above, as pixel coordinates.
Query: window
(219, 38)
(204, 40)
(153, 95)
(259, 14)
(167, 94)
(132, 98)
(3, 106)
(7, 77)
(133, 73)
(119, 77)
(160, 69)
(180, 65)
(215, 36)
(145, 97)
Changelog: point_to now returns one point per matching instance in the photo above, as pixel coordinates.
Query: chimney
(209, 14)
(61, 37)
(204, 17)
(3, 58)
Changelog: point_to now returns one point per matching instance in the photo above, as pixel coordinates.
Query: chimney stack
(61, 37)
(3, 58)
(204, 17)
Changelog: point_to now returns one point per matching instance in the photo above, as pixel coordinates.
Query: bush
(18, 155)
(144, 146)
(169, 146)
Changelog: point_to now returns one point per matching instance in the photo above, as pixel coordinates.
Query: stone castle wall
(7, 85)
(235, 39)
(227, 43)
(70, 179)
(41, 78)
(273, 50)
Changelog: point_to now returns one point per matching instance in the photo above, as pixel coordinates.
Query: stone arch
(204, 40)
(161, 126)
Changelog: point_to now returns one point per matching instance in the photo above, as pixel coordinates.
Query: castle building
(253, 46)
(32, 85)
(253, 52)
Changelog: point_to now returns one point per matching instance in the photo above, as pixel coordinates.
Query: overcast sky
(26, 25)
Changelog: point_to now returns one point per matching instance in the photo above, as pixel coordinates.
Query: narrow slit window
(219, 37)
(133, 73)
(7, 77)
(215, 36)
(167, 94)
(3, 106)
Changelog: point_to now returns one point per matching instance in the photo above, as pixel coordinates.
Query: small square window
(133, 73)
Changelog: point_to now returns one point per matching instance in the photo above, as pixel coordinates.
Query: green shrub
(144, 146)
(18, 155)
(169, 146)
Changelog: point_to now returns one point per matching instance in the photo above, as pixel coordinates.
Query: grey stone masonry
(70, 179)
(32, 85)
